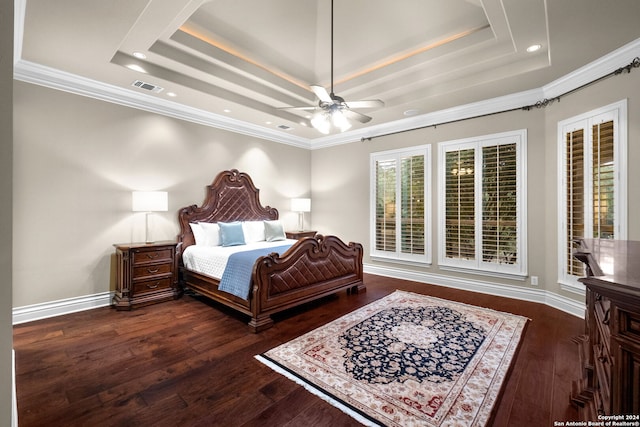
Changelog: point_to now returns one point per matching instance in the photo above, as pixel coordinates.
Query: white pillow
(198, 233)
(212, 233)
(253, 231)
(274, 231)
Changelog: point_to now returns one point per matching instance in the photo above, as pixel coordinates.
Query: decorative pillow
(198, 233)
(273, 231)
(231, 233)
(253, 231)
(211, 233)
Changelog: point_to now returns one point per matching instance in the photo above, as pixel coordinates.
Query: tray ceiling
(241, 61)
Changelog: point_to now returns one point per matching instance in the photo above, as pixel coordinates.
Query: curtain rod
(540, 104)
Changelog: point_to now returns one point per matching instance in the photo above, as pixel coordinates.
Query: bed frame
(312, 268)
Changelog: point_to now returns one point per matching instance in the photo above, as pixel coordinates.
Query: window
(400, 205)
(482, 204)
(592, 172)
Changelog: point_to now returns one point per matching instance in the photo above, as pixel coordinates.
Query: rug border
(323, 394)
(516, 353)
(362, 416)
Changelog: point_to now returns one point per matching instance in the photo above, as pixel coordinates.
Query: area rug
(406, 360)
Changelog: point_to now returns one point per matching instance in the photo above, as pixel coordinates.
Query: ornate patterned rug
(406, 360)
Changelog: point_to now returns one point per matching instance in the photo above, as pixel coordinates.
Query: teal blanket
(236, 278)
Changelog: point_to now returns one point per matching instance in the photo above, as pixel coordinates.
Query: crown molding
(593, 71)
(597, 69)
(461, 112)
(56, 79)
(31, 72)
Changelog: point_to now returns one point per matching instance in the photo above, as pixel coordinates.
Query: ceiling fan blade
(371, 103)
(354, 115)
(321, 93)
(298, 108)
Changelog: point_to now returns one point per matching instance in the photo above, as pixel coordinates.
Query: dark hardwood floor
(191, 363)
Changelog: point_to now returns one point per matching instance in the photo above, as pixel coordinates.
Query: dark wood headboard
(231, 197)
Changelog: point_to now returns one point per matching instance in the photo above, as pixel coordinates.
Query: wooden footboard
(313, 268)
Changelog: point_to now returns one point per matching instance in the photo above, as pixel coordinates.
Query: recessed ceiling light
(139, 55)
(268, 123)
(411, 112)
(303, 123)
(226, 110)
(136, 67)
(172, 94)
(534, 47)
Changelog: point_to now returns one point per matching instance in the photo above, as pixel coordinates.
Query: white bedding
(212, 260)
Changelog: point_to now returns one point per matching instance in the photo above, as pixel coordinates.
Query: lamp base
(147, 237)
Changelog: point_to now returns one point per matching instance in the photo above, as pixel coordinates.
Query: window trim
(398, 256)
(618, 111)
(477, 266)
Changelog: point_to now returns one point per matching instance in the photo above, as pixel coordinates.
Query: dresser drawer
(145, 256)
(150, 270)
(629, 325)
(153, 285)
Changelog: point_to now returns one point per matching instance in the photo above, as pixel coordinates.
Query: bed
(311, 268)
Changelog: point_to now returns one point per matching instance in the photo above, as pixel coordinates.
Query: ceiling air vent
(284, 127)
(147, 86)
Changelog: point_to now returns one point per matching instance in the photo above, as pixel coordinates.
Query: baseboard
(33, 312)
(30, 313)
(526, 294)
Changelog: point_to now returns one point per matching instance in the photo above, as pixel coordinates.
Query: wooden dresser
(146, 273)
(609, 351)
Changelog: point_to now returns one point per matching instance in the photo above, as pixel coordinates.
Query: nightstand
(146, 273)
(299, 234)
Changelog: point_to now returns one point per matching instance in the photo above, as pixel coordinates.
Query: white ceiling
(253, 57)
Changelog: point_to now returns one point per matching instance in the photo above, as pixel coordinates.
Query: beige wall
(6, 109)
(340, 176)
(76, 161)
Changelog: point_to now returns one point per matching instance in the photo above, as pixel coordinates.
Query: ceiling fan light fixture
(320, 121)
(340, 121)
(333, 110)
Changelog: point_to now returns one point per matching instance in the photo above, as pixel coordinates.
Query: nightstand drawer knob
(153, 286)
(153, 255)
(153, 270)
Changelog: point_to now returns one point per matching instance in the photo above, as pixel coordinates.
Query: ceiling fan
(333, 109)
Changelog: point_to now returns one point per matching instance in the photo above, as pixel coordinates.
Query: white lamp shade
(301, 205)
(149, 201)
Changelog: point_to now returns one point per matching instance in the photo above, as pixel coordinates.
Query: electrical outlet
(534, 280)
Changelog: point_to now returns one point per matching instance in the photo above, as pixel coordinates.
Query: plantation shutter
(460, 204)
(499, 204)
(575, 197)
(400, 207)
(592, 153)
(412, 193)
(385, 232)
(603, 180)
(482, 196)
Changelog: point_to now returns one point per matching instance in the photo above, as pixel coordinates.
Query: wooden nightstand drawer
(145, 256)
(155, 285)
(300, 234)
(147, 273)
